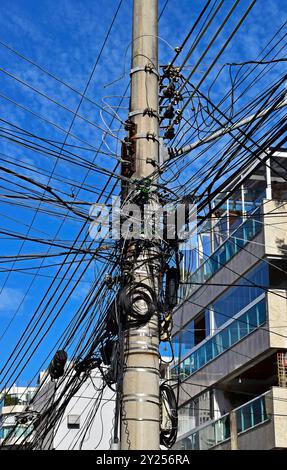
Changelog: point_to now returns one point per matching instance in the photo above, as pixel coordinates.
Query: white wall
(83, 404)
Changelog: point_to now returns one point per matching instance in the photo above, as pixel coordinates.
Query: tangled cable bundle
(129, 297)
(168, 435)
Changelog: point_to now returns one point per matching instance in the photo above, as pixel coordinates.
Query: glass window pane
(247, 417)
(223, 340)
(257, 412)
(239, 419)
(234, 332)
(193, 363)
(209, 350)
(216, 346)
(243, 325)
(187, 341)
(261, 311)
(201, 356)
(186, 367)
(252, 318)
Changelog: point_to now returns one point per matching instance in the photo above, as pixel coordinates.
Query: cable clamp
(139, 350)
(148, 135)
(145, 370)
(145, 112)
(152, 162)
(141, 397)
(151, 136)
(150, 112)
(141, 419)
(147, 68)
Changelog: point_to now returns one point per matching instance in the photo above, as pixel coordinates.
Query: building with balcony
(13, 402)
(230, 332)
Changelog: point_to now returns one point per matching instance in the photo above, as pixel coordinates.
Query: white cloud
(10, 299)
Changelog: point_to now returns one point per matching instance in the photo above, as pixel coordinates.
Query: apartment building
(13, 403)
(230, 334)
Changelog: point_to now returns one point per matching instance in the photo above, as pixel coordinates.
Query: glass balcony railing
(208, 436)
(242, 326)
(251, 414)
(239, 238)
(248, 416)
(12, 432)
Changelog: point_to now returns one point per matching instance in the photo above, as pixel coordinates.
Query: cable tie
(152, 162)
(148, 136)
(145, 112)
(146, 68)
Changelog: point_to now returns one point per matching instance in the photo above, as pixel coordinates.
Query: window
(223, 340)
(198, 410)
(183, 342)
(73, 421)
(278, 279)
(224, 253)
(242, 294)
(187, 340)
(199, 329)
(206, 245)
(231, 302)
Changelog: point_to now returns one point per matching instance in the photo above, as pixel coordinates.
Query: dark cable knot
(151, 136)
(150, 112)
(168, 401)
(128, 299)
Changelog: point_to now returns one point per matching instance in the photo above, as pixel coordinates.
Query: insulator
(109, 281)
(169, 133)
(177, 120)
(22, 419)
(169, 113)
(169, 91)
(177, 97)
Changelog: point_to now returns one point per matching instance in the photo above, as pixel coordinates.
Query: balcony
(270, 240)
(233, 245)
(13, 433)
(257, 425)
(237, 329)
(249, 337)
(11, 436)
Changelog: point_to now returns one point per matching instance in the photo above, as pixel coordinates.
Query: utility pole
(140, 415)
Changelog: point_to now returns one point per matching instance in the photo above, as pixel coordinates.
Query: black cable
(168, 435)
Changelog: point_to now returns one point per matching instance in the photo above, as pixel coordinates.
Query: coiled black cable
(129, 297)
(169, 405)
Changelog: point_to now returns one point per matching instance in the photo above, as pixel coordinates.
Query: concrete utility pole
(140, 417)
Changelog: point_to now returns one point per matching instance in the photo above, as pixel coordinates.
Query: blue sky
(65, 37)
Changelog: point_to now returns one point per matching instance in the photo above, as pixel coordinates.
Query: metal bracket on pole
(148, 68)
(145, 112)
(148, 135)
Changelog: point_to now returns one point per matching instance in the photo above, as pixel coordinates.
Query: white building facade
(87, 421)
(13, 403)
